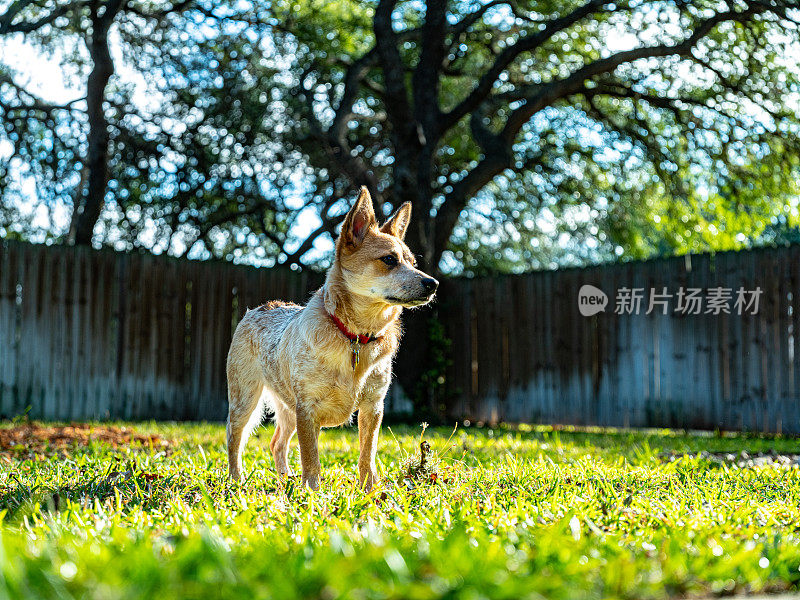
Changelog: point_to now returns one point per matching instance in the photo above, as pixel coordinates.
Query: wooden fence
(88, 334)
(99, 334)
(524, 352)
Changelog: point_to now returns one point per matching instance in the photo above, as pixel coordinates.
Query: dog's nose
(430, 284)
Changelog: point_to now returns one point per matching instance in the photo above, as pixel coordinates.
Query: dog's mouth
(410, 302)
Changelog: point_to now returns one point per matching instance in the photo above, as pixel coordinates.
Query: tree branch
(560, 88)
(493, 163)
(469, 20)
(355, 74)
(34, 102)
(386, 43)
(426, 75)
(645, 142)
(336, 146)
(16, 7)
(8, 26)
(509, 54)
(88, 211)
(328, 225)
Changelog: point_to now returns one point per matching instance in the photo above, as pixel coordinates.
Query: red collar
(353, 337)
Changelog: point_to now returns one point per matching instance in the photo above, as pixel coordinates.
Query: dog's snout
(430, 285)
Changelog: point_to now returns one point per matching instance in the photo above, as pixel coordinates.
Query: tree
(181, 169)
(94, 19)
(600, 126)
(527, 106)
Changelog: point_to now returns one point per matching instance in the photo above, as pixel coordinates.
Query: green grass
(511, 514)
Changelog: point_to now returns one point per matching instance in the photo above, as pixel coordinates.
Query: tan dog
(313, 366)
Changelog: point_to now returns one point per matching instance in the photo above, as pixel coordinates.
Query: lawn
(147, 512)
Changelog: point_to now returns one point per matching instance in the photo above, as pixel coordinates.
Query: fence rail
(100, 334)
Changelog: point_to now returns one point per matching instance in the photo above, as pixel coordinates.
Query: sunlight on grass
(502, 513)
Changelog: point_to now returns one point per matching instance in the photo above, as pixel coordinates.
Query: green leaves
(243, 129)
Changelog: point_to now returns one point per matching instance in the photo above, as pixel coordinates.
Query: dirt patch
(30, 439)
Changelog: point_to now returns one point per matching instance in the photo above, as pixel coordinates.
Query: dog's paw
(368, 481)
(311, 481)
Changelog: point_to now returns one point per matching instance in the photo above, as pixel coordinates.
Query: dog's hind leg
(285, 426)
(245, 410)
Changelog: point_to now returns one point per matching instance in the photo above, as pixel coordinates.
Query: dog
(313, 366)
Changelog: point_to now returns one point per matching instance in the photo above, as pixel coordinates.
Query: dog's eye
(390, 260)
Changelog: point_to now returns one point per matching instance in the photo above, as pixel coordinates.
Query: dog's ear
(397, 224)
(359, 220)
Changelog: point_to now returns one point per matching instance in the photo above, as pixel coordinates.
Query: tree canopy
(525, 133)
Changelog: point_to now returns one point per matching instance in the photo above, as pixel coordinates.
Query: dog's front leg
(369, 424)
(308, 438)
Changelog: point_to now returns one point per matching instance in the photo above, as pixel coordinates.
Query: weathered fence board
(99, 334)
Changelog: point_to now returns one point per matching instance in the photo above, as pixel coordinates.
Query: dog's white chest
(341, 390)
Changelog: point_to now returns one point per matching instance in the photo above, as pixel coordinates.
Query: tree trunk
(87, 212)
(413, 365)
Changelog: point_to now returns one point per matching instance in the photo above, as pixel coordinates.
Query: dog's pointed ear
(397, 224)
(359, 220)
